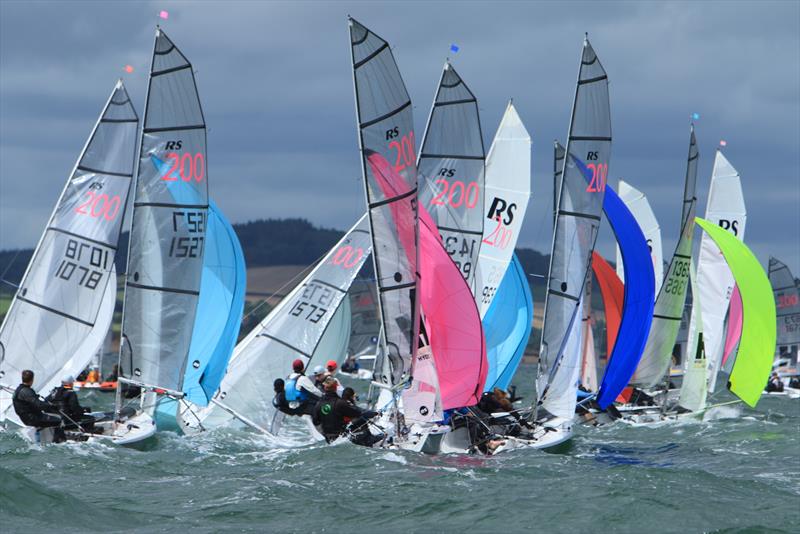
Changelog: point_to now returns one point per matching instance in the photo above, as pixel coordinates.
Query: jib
(733, 226)
(498, 207)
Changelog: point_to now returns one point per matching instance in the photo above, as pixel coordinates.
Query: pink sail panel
(734, 324)
(451, 315)
(452, 321)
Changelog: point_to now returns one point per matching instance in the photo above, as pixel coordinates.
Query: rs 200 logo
(501, 210)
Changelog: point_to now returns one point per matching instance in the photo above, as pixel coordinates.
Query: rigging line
(8, 267)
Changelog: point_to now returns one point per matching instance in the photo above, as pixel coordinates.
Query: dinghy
(64, 306)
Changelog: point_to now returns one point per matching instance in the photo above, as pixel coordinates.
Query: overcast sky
(276, 87)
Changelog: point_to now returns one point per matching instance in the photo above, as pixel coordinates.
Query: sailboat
(64, 306)
(580, 204)
(184, 288)
(653, 368)
(787, 301)
(311, 323)
(715, 285)
(502, 291)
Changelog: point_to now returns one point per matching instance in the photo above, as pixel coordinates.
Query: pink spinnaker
(734, 332)
(452, 319)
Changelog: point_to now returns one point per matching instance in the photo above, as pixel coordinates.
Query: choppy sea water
(738, 472)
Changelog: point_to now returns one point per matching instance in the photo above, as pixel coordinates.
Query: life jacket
(293, 393)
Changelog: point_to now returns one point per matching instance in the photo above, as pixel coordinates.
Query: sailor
(330, 371)
(794, 383)
(332, 413)
(319, 376)
(94, 375)
(775, 384)
(300, 390)
(114, 373)
(359, 427)
(31, 409)
(495, 401)
(65, 400)
(280, 402)
(350, 365)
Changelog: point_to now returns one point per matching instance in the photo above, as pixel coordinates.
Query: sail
(694, 388)
(219, 310)
(293, 329)
(169, 224)
(588, 376)
(580, 203)
(386, 129)
(714, 278)
(613, 293)
(637, 308)
(757, 346)
(787, 302)
(508, 188)
(669, 307)
(365, 324)
(638, 205)
(507, 326)
(733, 331)
(63, 308)
(450, 168)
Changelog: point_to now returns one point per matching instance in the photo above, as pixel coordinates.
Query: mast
(580, 203)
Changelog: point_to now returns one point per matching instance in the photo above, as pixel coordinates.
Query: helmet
(331, 365)
(318, 370)
(67, 379)
(298, 365)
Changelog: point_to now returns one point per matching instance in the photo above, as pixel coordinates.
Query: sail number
(787, 301)
(466, 248)
(189, 167)
(458, 194)
(188, 246)
(347, 256)
(99, 205)
(89, 277)
(676, 283)
(313, 302)
(405, 149)
(500, 237)
(597, 184)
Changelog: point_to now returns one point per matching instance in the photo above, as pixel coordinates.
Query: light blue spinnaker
(508, 326)
(637, 306)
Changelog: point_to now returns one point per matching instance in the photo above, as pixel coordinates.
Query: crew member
(319, 376)
(32, 410)
(350, 365)
(495, 401)
(65, 400)
(775, 384)
(359, 427)
(280, 402)
(300, 390)
(331, 412)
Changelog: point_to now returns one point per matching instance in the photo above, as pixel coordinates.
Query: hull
(132, 430)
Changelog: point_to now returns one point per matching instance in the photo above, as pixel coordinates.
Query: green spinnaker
(759, 330)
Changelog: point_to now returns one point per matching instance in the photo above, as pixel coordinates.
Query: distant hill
(266, 243)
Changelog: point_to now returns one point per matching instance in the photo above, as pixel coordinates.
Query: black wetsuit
(359, 429)
(280, 402)
(330, 414)
(775, 385)
(66, 400)
(32, 410)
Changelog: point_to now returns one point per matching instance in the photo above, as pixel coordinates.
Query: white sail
(589, 353)
(295, 328)
(714, 279)
(507, 191)
(63, 308)
(694, 388)
(637, 203)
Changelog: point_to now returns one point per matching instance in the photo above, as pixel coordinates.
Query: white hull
(132, 430)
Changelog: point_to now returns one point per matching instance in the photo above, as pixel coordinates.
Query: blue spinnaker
(508, 326)
(637, 307)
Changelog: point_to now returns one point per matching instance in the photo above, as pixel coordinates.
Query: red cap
(331, 365)
(297, 365)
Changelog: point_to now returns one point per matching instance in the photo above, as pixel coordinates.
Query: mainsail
(508, 188)
(637, 309)
(580, 203)
(450, 167)
(757, 347)
(507, 325)
(64, 306)
(714, 279)
(671, 298)
(295, 328)
(787, 302)
(386, 128)
(168, 228)
(638, 205)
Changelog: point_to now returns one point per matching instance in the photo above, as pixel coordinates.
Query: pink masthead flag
(164, 15)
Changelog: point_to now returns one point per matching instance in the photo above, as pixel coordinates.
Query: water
(739, 472)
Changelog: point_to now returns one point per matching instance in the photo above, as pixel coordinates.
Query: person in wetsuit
(280, 402)
(359, 427)
(66, 401)
(332, 414)
(300, 391)
(32, 410)
(775, 384)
